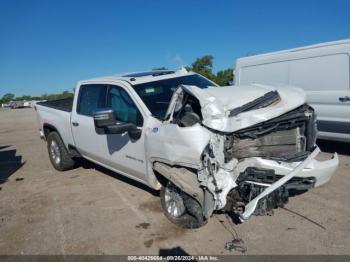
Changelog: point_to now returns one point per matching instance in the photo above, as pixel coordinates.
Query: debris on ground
(305, 217)
(19, 178)
(143, 225)
(236, 243)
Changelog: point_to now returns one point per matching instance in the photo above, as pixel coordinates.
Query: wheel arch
(181, 177)
(48, 128)
(186, 179)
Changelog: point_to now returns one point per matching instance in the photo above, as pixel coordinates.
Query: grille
(283, 144)
(288, 137)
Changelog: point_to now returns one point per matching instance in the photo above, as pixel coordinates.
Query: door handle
(75, 123)
(344, 99)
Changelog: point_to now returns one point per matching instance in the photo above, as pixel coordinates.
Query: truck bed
(56, 114)
(64, 104)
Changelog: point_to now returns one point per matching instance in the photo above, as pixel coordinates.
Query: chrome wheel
(173, 201)
(55, 152)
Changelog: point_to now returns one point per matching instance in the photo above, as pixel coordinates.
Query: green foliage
(64, 94)
(7, 98)
(25, 97)
(11, 97)
(204, 66)
(224, 77)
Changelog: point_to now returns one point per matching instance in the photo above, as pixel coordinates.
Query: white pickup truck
(240, 149)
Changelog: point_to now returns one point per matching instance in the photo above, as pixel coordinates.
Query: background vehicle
(235, 149)
(322, 70)
(16, 104)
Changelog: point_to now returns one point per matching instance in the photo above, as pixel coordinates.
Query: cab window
(124, 106)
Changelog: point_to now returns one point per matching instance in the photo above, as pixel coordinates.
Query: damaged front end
(248, 159)
(286, 140)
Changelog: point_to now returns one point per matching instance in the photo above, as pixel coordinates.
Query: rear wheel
(59, 156)
(180, 208)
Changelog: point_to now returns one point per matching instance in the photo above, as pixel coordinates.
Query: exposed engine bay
(239, 160)
(288, 138)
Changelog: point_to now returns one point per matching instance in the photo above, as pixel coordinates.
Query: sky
(46, 46)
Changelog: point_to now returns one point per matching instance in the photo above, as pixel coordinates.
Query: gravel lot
(91, 210)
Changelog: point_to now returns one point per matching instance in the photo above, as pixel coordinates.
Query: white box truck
(322, 70)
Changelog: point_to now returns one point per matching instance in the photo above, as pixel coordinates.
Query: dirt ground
(91, 210)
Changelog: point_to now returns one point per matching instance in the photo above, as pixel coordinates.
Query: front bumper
(321, 170)
(310, 167)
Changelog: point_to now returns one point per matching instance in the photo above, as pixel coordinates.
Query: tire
(58, 154)
(189, 215)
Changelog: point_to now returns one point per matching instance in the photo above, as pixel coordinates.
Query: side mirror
(105, 123)
(104, 117)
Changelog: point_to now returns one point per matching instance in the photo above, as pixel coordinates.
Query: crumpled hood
(218, 102)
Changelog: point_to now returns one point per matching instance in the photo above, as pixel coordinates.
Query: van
(322, 70)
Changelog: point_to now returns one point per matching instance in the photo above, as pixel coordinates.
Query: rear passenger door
(90, 97)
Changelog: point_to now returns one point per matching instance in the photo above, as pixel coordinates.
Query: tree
(224, 77)
(25, 98)
(11, 97)
(66, 94)
(7, 98)
(204, 66)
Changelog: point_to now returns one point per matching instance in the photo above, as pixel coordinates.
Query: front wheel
(180, 208)
(59, 156)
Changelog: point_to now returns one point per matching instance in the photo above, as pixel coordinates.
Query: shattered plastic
(217, 102)
(202, 145)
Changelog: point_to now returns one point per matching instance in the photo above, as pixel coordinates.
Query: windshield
(156, 95)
